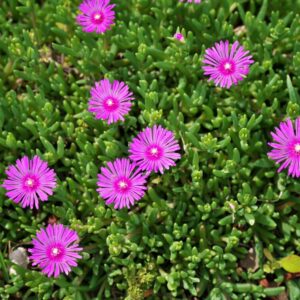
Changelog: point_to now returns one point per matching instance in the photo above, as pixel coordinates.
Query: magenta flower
(97, 15)
(191, 1)
(154, 149)
(179, 36)
(286, 147)
(110, 101)
(226, 66)
(29, 181)
(55, 250)
(121, 183)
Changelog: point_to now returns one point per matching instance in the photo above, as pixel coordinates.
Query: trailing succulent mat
(149, 149)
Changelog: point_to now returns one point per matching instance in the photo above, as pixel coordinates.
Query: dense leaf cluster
(189, 236)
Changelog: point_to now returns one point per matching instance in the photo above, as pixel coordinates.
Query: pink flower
(286, 147)
(97, 15)
(55, 250)
(110, 101)
(226, 66)
(179, 36)
(121, 183)
(29, 181)
(191, 1)
(154, 149)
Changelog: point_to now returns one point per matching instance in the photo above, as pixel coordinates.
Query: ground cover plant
(213, 218)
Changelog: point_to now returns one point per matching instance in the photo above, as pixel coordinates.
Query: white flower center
(297, 148)
(227, 66)
(30, 182)
(55, 251)
(97, 16)
(110, 102)
(123, 184)
(154, 151)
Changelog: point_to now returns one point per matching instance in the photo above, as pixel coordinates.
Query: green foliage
(186, 238)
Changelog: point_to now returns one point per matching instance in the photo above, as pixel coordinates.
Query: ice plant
(286, 147)
(55, 250)
(29, 181)
(154, 149)
(97, 15)
(110, 102)
(226, 65)
(179, 36)
(121, 183)
(191, 1)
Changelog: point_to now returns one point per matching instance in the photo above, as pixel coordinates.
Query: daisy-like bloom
(226, 65)
(154, 149)
(191, 1)
(97, 15)
(179, 36)
(29, 181)
(121, 183)
(55, 250)
(110, 102)
(286, 147)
